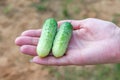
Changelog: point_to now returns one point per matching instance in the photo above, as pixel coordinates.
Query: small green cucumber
(62, 39)
(47, 37)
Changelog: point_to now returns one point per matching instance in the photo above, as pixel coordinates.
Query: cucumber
(62, 39)
(47, 37)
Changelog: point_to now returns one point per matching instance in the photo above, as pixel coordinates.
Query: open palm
(93, 41)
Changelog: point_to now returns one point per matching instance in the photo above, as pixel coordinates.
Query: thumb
(51, 61)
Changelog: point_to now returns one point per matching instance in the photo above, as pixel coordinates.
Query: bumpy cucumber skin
(47, 37)
(62, 39)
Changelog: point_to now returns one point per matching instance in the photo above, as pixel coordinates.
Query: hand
(93, 41)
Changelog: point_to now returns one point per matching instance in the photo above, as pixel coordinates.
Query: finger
(51, 61)
(32, 33)
(25, 40)
(28, 50)
(75, 23)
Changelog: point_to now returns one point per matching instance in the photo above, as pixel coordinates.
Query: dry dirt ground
(18, 15)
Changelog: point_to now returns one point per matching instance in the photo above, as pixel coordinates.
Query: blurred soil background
(17, 16)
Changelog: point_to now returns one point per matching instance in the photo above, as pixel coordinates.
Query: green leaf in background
(7, 9)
